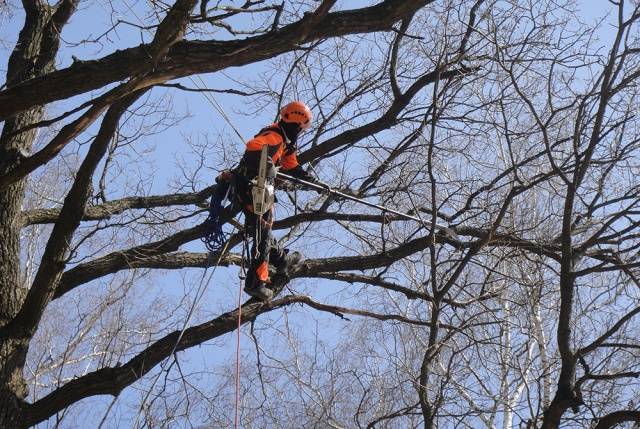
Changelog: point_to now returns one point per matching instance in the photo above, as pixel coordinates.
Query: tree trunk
(34, 55)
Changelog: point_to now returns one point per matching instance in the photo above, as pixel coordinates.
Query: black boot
(289, 260)
(257, 288)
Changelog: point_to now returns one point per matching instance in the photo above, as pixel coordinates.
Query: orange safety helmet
(298, 113)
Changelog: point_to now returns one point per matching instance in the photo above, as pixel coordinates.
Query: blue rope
(214, 237)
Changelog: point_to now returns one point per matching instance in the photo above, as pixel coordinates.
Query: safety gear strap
(275, 129)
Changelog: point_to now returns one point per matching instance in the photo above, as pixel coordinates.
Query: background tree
(513, 124)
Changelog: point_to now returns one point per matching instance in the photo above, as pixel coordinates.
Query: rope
(384, 242)
(214, 237)
(212, 100)
(207, 95)
(237, 413)
(216, 242)
(242, 275)
(202, 288)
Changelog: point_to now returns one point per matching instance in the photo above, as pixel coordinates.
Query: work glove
(225, 176)
(302, 174)
(286, 185)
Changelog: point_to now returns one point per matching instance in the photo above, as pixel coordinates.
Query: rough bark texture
(483, 210)
(53, 262)
(111, 381)
(616, 418)
(33, 56)
(186, 58)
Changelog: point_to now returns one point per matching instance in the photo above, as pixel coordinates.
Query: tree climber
(281, 151)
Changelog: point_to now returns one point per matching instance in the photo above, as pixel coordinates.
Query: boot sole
(262, 296)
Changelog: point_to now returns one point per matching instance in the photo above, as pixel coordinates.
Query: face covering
(291, 130)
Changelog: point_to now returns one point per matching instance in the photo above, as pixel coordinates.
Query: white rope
(216, 106)
(207, 95)
(202, 288)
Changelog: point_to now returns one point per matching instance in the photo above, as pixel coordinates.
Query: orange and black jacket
(281, 152)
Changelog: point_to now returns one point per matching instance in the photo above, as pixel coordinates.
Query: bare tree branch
(199, 57)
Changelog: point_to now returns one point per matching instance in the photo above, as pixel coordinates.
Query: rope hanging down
(215, 240)
(200, 292)
(214, 237)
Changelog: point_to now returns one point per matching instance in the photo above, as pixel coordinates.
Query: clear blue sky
(170, 147)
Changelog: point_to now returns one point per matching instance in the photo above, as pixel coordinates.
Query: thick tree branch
(141, 256)
(387, 120)
(566, 396)
(408, 292)
(115, 207)
(53, 260)
(609, 332)
(341, 311)
(70, 131)
(111, 381)
(170, 31)
(191, 57)
(617, 417)
(34, 55)
(117, 261)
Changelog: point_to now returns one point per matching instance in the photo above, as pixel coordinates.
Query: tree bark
(33, 56)
(186, 58)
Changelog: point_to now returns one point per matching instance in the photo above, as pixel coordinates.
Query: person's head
(295, 117)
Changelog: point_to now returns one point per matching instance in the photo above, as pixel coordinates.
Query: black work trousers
(265, 247)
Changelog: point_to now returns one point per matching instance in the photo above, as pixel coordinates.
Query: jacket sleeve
(292, 167)
(289, 161)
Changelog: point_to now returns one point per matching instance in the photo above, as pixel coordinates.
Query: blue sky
(170, 149)
(202, 122)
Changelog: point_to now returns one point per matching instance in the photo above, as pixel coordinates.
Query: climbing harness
(262, 197)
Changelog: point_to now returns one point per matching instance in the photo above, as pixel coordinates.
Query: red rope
(235, 425)
(242, 276)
